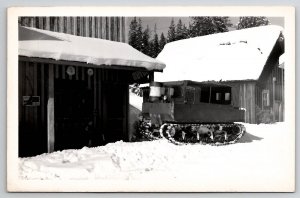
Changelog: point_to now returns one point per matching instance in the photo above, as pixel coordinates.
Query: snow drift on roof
(235, 55)
(82, 49)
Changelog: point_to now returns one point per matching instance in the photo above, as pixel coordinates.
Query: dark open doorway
(80, 121)
(115, 106)
(73, 112)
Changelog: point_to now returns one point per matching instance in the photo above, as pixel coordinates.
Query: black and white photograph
(166, 99)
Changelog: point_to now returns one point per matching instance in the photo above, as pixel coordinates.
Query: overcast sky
(163, 23)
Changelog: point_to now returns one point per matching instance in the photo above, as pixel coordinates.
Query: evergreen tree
(135, 34)
(154, 45)
(185, 32)
(189, 30)
(145, 41)
(179, 31)
(140, 35)
(132, 32)
(248, 22)
(162, 42)
(172, 32)
(209, 25)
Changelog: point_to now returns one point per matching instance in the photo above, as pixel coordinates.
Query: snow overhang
(59, 46)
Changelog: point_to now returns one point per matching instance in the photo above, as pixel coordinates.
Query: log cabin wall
(89, 94)
(110, 28)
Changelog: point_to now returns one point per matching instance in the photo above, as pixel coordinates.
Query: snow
(282, 59)
(60, 46)
(136, 101)
(260, 161)
(234, 55)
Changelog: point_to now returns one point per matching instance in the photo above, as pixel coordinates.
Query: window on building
(265, 98)
(218, 96)
(227, 96)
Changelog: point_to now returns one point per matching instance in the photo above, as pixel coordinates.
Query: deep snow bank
(262, 153)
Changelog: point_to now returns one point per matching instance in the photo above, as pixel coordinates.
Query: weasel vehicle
(187, 112)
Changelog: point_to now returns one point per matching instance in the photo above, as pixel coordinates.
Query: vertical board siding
(107, 28)
(36, 123)
(276, 92)
(244, 96)
(123, 32)
(31, 118)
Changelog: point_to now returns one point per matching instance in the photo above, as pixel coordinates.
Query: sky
(163, 23)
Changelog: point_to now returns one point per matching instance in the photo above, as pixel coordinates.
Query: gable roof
(59, 46)
(235, 55)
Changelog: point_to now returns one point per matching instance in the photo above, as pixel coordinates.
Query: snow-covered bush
(135, 88)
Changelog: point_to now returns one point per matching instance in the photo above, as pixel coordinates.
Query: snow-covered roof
(59, 46)
(235, 55)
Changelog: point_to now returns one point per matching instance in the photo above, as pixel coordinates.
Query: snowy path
(262, 158)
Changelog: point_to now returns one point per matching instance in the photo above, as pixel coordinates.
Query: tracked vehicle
(189, 112)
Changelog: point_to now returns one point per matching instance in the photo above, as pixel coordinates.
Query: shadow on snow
(247, 138)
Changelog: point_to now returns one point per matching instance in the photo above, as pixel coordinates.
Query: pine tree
(135, 33)
(248, 22)
(172, 32)
(162, 42)
(154, 45)
(209, 25)
(139, 35)
(132, 32)
(181, 31)
(221, 24)
(145, 41)
(185, 31)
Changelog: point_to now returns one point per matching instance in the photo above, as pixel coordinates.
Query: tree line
(141, 39)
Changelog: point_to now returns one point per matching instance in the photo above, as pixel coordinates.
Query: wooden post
(274, 80)
(50, 110)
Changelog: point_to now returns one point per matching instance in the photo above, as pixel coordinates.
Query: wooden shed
(73, 91)
(247, 60)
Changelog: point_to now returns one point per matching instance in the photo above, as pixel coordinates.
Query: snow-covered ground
(260, 161)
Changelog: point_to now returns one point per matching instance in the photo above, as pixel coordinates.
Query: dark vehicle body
(190, 102)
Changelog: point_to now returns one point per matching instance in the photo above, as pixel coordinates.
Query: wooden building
(247, 60)
(73, 91)
(263, 97)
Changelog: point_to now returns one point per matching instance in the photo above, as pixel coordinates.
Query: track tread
(167, 131)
